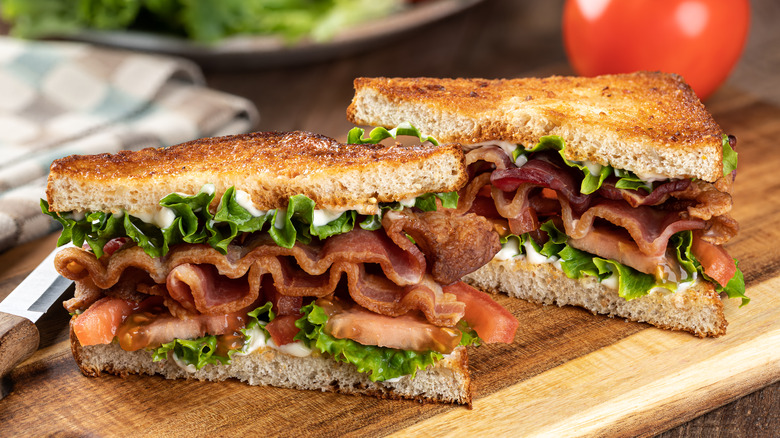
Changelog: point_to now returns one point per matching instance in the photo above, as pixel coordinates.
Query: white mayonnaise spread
(536, 257)
(649, 178)
(78, 215)
(296, 348)
(593, 168)
(209, 189)
(611, 281)
(188, 368)
(256, 340)
(244, 200)
(163, 217)
(324, 217)
(279, 217)
(507, 146)
(509, 249)
(409, 202)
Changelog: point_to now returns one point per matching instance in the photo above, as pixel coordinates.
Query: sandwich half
(282, 259)
(612, 193)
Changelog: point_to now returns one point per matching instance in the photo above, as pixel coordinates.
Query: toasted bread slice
(649, 123)
(447, 381)
(270, 166)
(698, 309)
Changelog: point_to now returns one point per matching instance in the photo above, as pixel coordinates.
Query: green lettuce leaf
(576, 263)
(736, 286)
(94, 228)
(205, 21)
(355, 135)
(631, 283)
(202, 351)
(380, 363)
(629, 181)
(199, 352)
(194, 223)
(682, 242)
(729, 157)
(591, 181)
(469, 335)
(258, 318)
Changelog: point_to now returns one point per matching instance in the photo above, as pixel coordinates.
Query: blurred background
(298, 78)
(85, 94)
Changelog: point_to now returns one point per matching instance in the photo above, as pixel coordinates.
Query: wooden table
(500, 38)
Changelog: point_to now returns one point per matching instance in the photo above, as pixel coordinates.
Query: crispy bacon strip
(304, 270)
(490, 154)
(635, 198)
(543, 173)
(456, 244)
(650, 229)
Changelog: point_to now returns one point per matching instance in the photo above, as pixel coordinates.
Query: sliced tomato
(716, 262)
(283, 329)
(99, 323)
(489, 319)
(406, 332)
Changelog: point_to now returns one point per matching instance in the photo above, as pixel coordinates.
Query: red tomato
(283, 329)
(700, 40)
(99, 323)
(716, 262)
(489, 319)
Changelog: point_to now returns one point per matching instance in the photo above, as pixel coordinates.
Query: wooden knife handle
(19, 339)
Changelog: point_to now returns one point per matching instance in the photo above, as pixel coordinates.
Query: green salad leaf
(355, 135)
(258, 318)
(203, 21)
(631, 283)
(381, 363)
(593, 176)
(95, 228)
(736, 286)
(682, 241)
(203, 351)
(198, 352)
(194, 223)
(729, 157)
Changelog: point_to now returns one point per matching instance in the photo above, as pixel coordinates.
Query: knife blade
(19, 337)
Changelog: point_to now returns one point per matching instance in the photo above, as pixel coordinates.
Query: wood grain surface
(567, 373)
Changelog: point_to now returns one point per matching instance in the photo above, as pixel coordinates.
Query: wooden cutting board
(567, 373)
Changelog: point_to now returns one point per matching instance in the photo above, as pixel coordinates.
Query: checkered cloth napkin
(59, 99)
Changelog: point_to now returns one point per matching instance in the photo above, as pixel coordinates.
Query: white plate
(269, 51)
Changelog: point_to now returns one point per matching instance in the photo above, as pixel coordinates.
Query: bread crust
(448, 381)
(650, 123)
(270, 166)
(698, 310)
